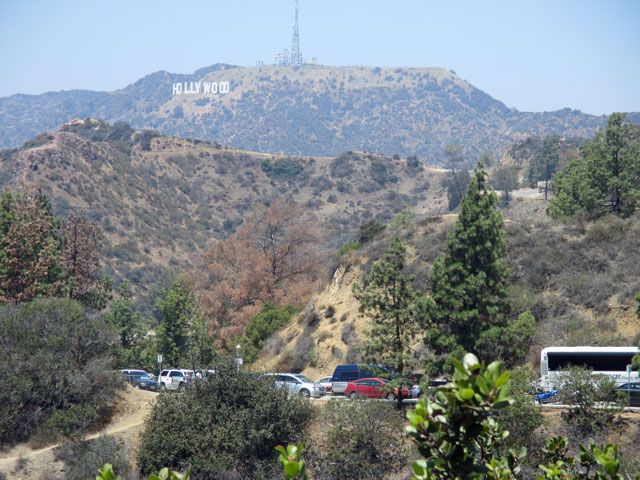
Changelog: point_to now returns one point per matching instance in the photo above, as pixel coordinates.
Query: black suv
(140, 379)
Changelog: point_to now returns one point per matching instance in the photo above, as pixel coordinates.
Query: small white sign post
(159, 364)
(238, 357)
(628, 385)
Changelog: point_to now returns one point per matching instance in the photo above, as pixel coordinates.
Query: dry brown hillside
(579, 280)
(162, 201)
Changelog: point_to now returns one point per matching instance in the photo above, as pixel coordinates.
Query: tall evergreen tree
(81, 245)
(545, 162)
(396, 310)
(469, 278)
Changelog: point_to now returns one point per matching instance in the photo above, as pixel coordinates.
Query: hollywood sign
(200, 87)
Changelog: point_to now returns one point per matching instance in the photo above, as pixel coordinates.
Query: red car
(373, 388)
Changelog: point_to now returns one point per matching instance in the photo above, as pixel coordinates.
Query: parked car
(343, 374)
(326, 383)
(298, 385)
(633, 389)
(373, 388)
(135, 371)
(141, 380)
(416, 391)
(547, 397)
(172, 379)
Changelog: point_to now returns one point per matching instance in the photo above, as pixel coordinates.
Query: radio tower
(296, 57)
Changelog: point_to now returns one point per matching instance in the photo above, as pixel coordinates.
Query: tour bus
(610, 361)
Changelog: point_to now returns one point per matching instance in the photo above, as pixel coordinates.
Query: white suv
(172, 379)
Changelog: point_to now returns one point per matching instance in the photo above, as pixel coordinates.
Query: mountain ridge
(309, 111)
(163, 201)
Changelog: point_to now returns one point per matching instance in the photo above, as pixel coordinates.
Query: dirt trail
(132, 409)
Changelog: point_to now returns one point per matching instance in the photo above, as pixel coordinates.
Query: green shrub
(580, 388)
(57, 370)
(369, 230)
(366, 441)
(282, 168)
(224, 427)
(83, 458)
(347, 247)
(262, 326)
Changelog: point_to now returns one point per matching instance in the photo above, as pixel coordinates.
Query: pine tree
(545, 162)
(30, 263)
(81, 245)
(606, 176)
(396, 310)
(469, 278)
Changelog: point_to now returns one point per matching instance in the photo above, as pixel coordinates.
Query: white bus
(610, 361)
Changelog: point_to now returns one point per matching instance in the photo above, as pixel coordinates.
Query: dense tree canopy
(606, 176)
(178, 313)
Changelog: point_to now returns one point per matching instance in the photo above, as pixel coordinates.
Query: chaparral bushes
(57, 369)
(226, 426)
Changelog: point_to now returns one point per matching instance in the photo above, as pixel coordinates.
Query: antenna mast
(296, 58)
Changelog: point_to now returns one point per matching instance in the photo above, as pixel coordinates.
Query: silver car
(298, 385)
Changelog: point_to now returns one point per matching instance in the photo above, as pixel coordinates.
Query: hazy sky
(533, 55)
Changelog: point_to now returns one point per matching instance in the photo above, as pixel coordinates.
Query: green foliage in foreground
(292, 462)
(262, 326)
(225, 425)
(460, 437)
(107, 473)
(457, 433)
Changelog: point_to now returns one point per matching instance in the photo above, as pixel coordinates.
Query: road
(527, 193)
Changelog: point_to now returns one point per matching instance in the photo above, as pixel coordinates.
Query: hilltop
(310, 111)
(163, 201)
